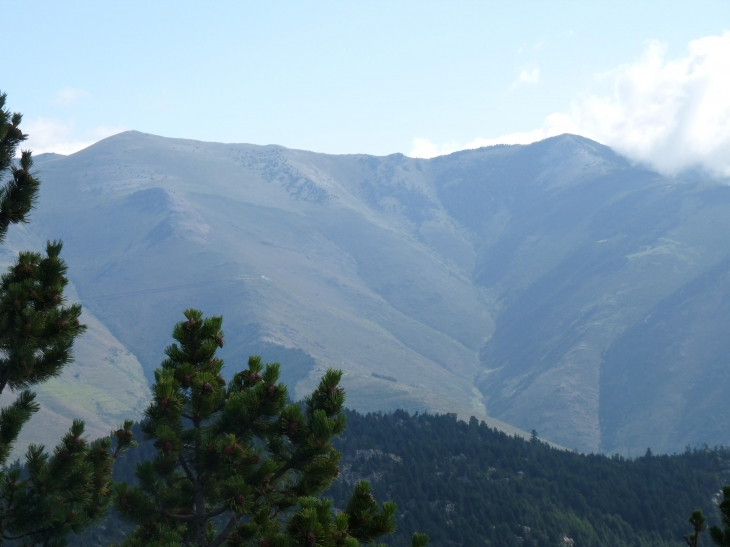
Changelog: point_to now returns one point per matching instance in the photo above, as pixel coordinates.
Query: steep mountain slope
(552, 286)
(588, 251)
(301, 268)
(103, 386)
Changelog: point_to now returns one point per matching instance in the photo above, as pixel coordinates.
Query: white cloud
(424, 148)
(527, 76)
(69, 96)
(670, 114)
(47, 135)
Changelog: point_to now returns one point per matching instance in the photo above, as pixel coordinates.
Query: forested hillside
(466, 484)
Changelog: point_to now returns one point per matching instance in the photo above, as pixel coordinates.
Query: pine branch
(223, 536)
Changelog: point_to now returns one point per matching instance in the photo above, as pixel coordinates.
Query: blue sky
(421, 78)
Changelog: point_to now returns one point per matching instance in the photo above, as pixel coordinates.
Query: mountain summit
(553, 286)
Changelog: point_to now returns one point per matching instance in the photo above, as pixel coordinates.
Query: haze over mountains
(552, 286)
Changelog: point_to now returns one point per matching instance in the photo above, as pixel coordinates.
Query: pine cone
(207, 387)
(311, 539)
(219, 341)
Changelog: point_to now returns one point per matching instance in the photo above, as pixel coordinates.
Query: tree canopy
(236, 460)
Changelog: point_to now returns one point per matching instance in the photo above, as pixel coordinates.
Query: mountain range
(553, 286)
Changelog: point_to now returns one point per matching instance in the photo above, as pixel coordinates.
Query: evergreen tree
(721, 536)
(235, 460)
(53, 495)
(697, 520)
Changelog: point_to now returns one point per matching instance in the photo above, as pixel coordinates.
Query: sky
(649, 79)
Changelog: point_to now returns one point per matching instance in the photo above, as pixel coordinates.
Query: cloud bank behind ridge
(62, 137)
(672, 114)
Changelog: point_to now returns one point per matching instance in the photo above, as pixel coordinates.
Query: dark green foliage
(52, 495)
(36, 331)
(466, 484)
(697, 520)
(721, 536)
(234, 459)
(19, 195)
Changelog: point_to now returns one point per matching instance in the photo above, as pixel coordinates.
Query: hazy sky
(651, 79)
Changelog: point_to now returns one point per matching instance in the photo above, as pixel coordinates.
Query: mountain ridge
(492, 281)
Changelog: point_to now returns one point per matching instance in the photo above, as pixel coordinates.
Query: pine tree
(721, 536)
(697, 520)
(55, 494)
(236, 462)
